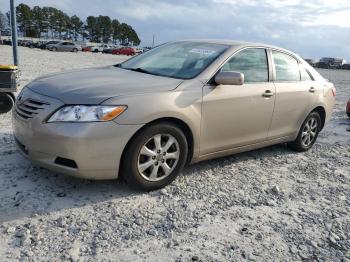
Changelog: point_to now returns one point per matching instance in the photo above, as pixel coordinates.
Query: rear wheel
(155, 157)
(6, 103)
(75, 50)
(54, 49)
(308, 133)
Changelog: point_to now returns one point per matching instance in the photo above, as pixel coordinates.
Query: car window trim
(211, 81)
(301, 67)
(274, 66)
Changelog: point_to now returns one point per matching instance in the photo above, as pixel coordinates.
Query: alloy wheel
(309, 132)
(158, 157)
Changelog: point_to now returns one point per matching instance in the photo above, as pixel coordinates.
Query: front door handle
(312, 90)
(268, 93)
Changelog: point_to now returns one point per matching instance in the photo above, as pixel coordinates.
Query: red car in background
(87, 49)
(124, 51)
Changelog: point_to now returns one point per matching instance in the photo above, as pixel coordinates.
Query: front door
(238, 115)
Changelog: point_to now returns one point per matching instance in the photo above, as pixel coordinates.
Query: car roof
(234, 43)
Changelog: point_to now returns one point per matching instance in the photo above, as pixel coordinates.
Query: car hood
(93, 86)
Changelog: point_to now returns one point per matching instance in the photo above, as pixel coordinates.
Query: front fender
(184, 105)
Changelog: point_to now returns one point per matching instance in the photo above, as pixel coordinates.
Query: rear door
(295, 95)
(238, 115)
(70, 46)
(63, 46)
(66, 46)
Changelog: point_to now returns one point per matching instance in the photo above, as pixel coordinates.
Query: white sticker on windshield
(202, 51)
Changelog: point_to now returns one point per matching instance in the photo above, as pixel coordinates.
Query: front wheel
(308, 133)
(155, 157)
(6, 103)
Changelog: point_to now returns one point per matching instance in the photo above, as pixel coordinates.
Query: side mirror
(229, 78)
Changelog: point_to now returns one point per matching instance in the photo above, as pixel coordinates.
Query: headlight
(82, 113)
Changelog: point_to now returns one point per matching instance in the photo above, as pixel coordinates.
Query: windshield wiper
(141, 70)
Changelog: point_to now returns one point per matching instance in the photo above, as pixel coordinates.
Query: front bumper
(95, 148)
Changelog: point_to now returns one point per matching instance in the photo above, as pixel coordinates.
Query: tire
(308, 133)
(6, 103)
(75, 50)
(147, 171)
(54, 49)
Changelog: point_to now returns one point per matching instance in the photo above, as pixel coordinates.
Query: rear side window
(305, 75)
(287, 68)
(252, 63)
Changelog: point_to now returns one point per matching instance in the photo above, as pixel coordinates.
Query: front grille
(29, 108)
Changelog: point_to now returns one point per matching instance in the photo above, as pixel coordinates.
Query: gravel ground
(266, 205)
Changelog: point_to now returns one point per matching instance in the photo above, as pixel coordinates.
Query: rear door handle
(312, 90)
(268, 93)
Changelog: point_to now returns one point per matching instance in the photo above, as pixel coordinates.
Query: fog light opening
(65, 162)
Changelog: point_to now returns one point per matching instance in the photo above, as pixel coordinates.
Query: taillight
(334, 91)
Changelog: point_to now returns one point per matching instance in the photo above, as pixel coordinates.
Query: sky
(311, 28)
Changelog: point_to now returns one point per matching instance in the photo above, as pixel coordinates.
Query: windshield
(183, 60)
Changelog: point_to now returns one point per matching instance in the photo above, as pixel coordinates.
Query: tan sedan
(182, 102)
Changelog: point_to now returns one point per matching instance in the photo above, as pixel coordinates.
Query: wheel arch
(13, 96)
(322, 112)
(176, 121)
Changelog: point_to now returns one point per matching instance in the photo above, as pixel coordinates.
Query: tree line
(53, 23)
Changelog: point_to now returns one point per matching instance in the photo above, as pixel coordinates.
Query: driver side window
(252, 63)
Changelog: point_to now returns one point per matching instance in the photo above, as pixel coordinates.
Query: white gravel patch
(271, 204)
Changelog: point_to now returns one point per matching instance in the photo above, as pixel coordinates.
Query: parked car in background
(30, 44)
(348, 108)
(65, 47)
(124, 51)
(45, 45)
(36, 44)
(109, 50)
(24, 42)
(138, 50)
(87, 48)
(147, 48)
(7, 42)
(311, 62)
(182, 102)
(100, 48)
(346, 66)
(330, 63)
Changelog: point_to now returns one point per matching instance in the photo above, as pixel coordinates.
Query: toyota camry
(180, 103)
